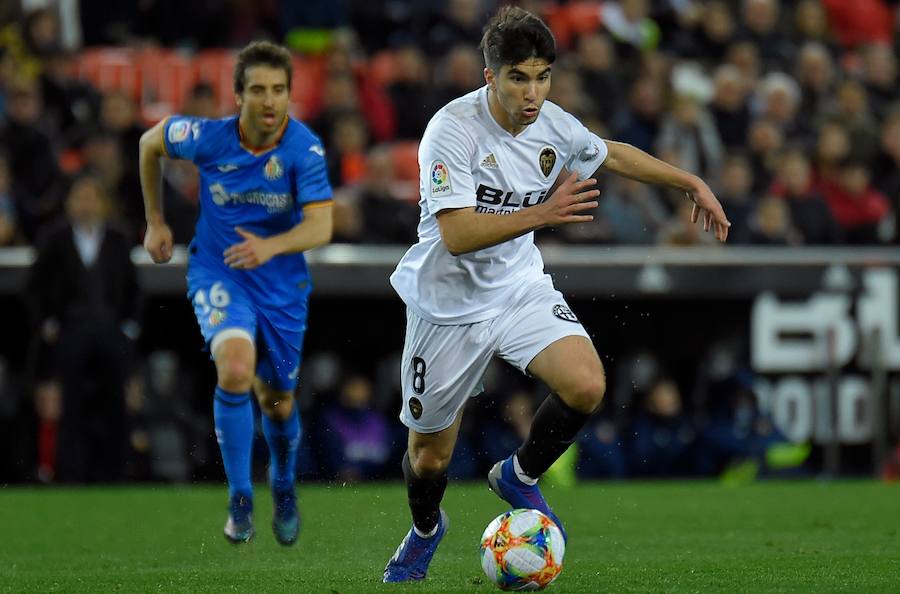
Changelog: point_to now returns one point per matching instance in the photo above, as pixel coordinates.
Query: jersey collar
(256, 151)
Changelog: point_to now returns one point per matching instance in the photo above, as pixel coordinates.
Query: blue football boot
(239, 527)
(504, 482)
(410, 561)
(285, 517)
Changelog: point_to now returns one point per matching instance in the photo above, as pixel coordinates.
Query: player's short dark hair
(265, 53)
(513, 35)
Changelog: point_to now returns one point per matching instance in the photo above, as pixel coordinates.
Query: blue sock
(233, 414)
(283, 438)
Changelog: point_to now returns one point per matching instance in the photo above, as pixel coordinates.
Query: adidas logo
(489, 162)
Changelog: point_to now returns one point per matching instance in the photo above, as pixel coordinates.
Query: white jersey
(467, 159)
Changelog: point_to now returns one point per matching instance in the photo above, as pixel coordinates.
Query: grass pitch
(627, 537)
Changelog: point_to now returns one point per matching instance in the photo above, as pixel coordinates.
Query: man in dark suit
(84, 292)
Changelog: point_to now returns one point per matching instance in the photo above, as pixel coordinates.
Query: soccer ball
(522, 549)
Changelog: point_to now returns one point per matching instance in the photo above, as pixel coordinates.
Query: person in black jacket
(83, 288)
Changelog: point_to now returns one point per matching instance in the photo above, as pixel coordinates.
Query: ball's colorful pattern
(522, 549)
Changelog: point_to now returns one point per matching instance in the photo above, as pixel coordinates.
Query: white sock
(423, 535)
(521, 473)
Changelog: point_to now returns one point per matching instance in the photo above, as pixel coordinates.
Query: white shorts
(443, 366)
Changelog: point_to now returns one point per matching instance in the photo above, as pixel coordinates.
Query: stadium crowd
(789, 108)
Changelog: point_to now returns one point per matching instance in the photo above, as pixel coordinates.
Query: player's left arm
(628, 161)
(314, 230)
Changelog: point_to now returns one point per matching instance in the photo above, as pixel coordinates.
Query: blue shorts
(226, 309)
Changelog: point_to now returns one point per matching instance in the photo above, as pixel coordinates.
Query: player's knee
(235, 374)
(429, 463)
(275, 404)
(586, 393)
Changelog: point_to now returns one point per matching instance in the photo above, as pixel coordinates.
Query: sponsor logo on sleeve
(590, 153)
(179, 130)
(440, 179)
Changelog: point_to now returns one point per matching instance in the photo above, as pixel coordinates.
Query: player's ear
(489, 78)
(238, 99)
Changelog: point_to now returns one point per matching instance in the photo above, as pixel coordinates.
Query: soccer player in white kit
(474, 284)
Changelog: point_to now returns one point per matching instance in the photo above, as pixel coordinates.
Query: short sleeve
(445, 166)
(311, 176)
(182, 137)
(589, 151)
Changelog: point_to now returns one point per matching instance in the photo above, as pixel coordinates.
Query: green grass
(630, 537)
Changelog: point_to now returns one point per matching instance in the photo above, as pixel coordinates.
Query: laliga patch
(547, 160)
(179, 130)
(590, 153)
(415, 407)
(317, 149)
(564, 313)
(440, 179)
(273, 169)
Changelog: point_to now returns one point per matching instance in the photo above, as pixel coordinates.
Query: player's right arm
(158, 238)
(464, 230)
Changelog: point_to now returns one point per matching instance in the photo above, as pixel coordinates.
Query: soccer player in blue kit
(264, 200)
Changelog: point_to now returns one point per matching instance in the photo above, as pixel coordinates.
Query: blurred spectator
(737, 430)
(10, 234)
(690, 133)
(815, 73)
(832, 147)
(462, 72)
(765, 140)
(734, 192)
(879, 74)
(730, 108)
(629, 213)
(357, 438)
(84, 291)
(387, 215)
(681, 231)
(886, 171)
(852, 110)
(42, 34)
(639, 123)
(104, 156)
(862, 211)
(346, 156)
(744, 56)
(568, 93)
(811, 25)
(630, 25)
(599, 80)
(809, 212)
(517, 412)
(461, 22)
(119, 115)
(32, 160)
(410, 93)
(771, 223)
(778, 100)
(72, 106)
(600, 450)
(760, 20)
(709, 39)
(662, 436)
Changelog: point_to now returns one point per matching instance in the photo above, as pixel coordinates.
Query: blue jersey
(262, 191)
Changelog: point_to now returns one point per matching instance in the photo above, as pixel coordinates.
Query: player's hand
(707, 206)
(252, 252)
(570, 201)
(158, 242)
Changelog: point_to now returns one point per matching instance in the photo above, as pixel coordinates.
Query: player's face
(264, 102)
(520, 91)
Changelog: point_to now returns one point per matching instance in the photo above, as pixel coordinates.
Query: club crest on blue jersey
(273, 169)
